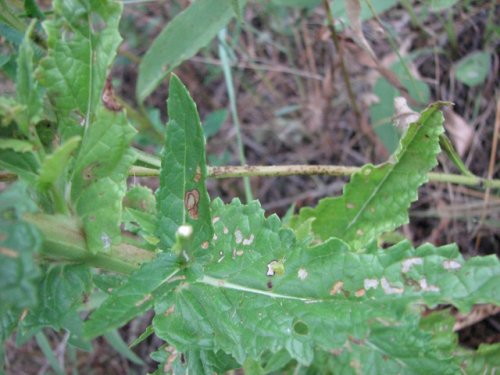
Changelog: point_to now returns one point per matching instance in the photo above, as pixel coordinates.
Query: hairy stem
(315, 170)
(63, 239)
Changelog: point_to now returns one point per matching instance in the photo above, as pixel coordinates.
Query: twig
(315, 170)
(340, 50)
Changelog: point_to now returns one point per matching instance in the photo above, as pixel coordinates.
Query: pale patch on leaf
(370, 284)
(388, 288)
(302, 274)
(426, 287)
(451, 265)
(408, 263)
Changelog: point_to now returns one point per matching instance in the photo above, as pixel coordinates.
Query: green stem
(64, 240)
(226, 67)
(315, 170)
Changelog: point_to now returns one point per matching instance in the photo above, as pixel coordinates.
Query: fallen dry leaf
(461, 133)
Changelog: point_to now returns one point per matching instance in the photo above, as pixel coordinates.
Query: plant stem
(63, 239)
(316, 170)
(340, 50)
(234, 111)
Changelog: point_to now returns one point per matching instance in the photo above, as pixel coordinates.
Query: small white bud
(185, 231)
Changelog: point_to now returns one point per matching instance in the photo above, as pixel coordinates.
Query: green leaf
(105, 152)
(371, 302)
(189, 31)
(485, 361)
(61, 293)
(213, 122)
(99, 177)
(377, 198)
(24, 164)
(183, 197)
(16, 145)
(116, 341)
(19, 241)
(140, 198)
(82, 40)
(473, 69)
(382, 112)
(136, 296)
(27, 90)
(55, 164)
(99, 207)
(439, 5)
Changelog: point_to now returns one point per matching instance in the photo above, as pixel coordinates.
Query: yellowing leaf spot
(336, 288)
(197, 176)
(360, 293)
(169, 311)
(350, 205)
(146, 298)
(359, 232)
(8, 252)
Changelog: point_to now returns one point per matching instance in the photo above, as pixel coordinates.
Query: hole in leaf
(301, 328)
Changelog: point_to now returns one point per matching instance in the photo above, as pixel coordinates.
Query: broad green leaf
(82, 40)
(213, 122)
(24, 164)
(61, 292)
(324, 297)
(17, 145)
(183, 197)
(189, 31)
(473, 69)
(99, 208)
(27, 90)
(377, 198)
(135, 297)
(99, 177)
(19, 241)
(55, 164)
(140, 198)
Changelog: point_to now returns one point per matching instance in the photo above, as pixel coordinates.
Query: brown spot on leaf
(270, 284)
(108, 97)
(337, 287)
(191, 200)
(169, 311)
(204, 245)
(197, 176)
(360, 293)
(146, 298)
(9, 252)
